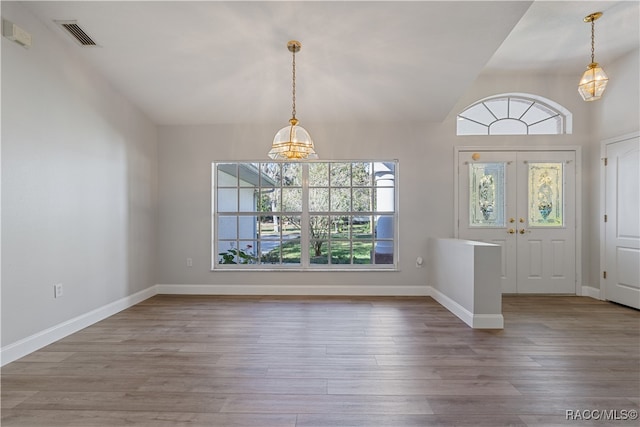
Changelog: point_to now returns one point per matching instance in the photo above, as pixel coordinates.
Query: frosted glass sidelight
(487, 189)
(545, 207)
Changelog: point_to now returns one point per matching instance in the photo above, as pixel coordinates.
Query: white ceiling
(205, 62)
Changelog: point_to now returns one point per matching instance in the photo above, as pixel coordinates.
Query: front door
(622, 229)
(525, 202)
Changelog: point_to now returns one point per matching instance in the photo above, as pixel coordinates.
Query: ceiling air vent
(78, 34)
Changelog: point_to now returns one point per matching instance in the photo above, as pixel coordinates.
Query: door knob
(521, 219)
(511, 231)
(512, 220)
(522, 231)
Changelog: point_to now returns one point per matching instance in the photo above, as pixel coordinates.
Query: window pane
(318, 174)
(340, 252)
(362, 252)
(291, 200)
(340, 174)
(361, 227)
(486, 198)
(468, 127)
(551, 126)
(227, 200)
(319, 199)
(227, 175)
(269, 254)
(291, 253)
(291, 174)
(227, 227)
(340, 199)
(480, 114)
(362, 201)
(361, 174)
(537, 113)
(271, 174)
(319, 227)
(339, 227)
(545, 195)
(518, 106)
(248, 200)
(498, 107)
(319, 252)
(225, 252)
(508, 127)
(384, 240)
(248, 174)
(267, 229)
(247, 227)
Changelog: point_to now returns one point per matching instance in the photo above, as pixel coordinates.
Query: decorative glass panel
(546, 198)
(486, 194)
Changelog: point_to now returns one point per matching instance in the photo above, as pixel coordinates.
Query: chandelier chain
(293, 86)
(592, 40)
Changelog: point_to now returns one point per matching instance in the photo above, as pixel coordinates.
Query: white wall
(79, 186)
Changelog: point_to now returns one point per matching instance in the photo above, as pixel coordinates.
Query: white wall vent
(73, 29)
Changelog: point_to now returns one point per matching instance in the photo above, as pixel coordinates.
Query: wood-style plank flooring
(176, 361)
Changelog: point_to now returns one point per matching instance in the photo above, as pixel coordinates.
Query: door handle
(522, 231)
(512, 220)
(511, 231)
(522, 220)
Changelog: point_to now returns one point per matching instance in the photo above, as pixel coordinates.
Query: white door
(622, 229)
(525, 202)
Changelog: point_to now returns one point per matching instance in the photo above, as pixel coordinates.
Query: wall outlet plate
(57, 290)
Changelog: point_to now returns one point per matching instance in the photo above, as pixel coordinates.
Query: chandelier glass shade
(293, 142)
(594, 80)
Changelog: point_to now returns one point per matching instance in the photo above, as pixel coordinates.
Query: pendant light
(594, 80)
(293, 142)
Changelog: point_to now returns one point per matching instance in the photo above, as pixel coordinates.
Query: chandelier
(293, 142)
(594, 80)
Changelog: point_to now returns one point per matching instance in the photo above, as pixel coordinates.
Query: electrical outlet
(189, 262)
(57, 290)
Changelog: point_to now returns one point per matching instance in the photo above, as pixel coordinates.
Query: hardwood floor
(332, 361)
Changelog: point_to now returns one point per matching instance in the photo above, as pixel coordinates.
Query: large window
(309, 215)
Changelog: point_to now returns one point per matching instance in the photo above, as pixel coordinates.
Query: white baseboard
(302, 290)
(41, 339)
(476, 321)
(589, 291)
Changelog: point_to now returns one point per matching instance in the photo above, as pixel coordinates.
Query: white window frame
(544, 108)
(305, 263)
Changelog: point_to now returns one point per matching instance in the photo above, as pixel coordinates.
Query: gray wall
(426, 180)
(79, 186)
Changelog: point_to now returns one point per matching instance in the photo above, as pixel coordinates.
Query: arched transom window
(514, 114)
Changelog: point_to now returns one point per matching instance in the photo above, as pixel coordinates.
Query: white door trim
(603, 257)
(578, 152)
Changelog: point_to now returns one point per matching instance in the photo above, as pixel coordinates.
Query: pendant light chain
(293, 111)
(593, 40)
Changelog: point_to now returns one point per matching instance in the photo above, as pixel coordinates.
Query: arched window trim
(559, 110)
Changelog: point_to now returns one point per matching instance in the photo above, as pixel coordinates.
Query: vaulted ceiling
(204, 62)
